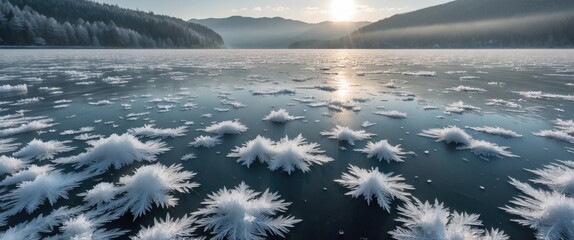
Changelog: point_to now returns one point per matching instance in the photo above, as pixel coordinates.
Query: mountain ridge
(273, 32)
(541, 26)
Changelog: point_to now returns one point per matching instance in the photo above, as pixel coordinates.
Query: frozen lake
(401, 93)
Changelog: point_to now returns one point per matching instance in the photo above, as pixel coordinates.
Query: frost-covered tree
(434, 221)
(550, 213)
(374, 184)
(242, 213)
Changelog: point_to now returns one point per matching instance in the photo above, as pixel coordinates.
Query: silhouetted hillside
(467, 24)
(247, 32)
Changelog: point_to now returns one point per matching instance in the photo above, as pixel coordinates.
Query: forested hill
(467, 24)
(87, 23)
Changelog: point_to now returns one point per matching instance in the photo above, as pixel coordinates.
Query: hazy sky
(305, 10)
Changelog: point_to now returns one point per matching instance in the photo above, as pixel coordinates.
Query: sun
(343, 10)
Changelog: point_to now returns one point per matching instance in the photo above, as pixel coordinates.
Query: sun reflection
(343, 88)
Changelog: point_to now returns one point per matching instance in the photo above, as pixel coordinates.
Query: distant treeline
(87, 23)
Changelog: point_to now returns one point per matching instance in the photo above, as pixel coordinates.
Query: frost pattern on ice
(487, 149)
(382, 150)
(226, 127)
(392, 114)
(292, 154)
(170, 228)
(51, 186)
(205, 141)
(242, 213)
(260, 148)
(551, 214)
(37, 149)
(451, 134)
(346, 134)
(281, 116)
(117, 151)
(434, 221)
(375, 184)
(151, 132)
(497, 131)
(10, 165)
(557, 176)
(151, 184)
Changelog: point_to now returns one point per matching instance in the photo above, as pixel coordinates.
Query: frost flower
(242, 213)
(347, 134)
(383, 150)
(374, 184)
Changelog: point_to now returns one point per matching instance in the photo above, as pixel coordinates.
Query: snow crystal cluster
(392, 114)
(434, 221)
(346, 134)
(497, 131)
(37, 149)
(281, 116)
(117, 151)
(564, 131)
(205, 141)
(226, 127)
(383, 150)
(453, 134)
(374, 184)
(242, 213)
(286, 154)
(151, 132)
(550, 213)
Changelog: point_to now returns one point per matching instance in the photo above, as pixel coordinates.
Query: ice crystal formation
(497, 131)
(170, 228)
(152, 184)
(434, 221)
(296, 153)
(451, 134)
(281, 116)
(242, 213)
(375, 184)
(117, 151)
(8, 145)
(226, 127)
(51, 186)
(550, 213)
(37, 149)
(382, 150)
(102, 193)
(205, 141)
(347, 134)
(10, 165)
(260, 148)
(487, 149)
(392, 114)
(557, 176)
(151, 132)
